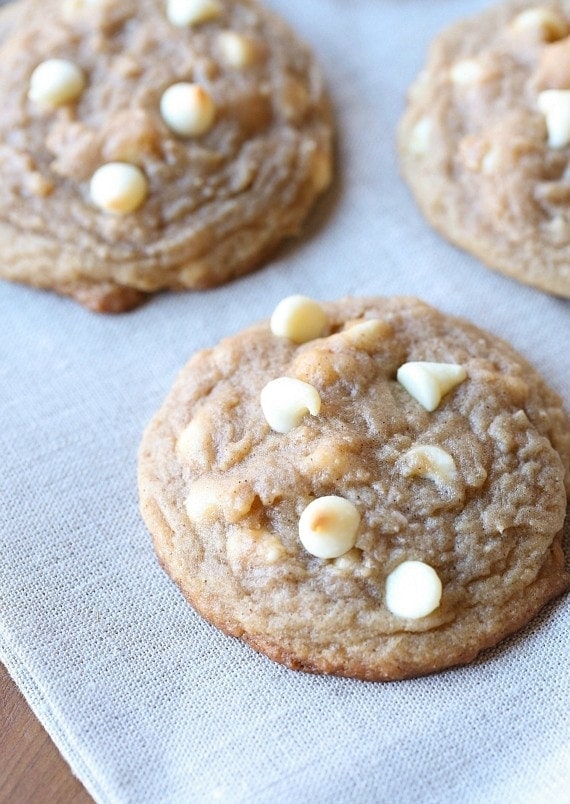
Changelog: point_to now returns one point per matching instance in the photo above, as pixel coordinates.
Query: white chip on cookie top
(118, 187)
(187, 109)
(236, 50)
(413, 590)
(467, 72)
(555, 106)
(328, 526)
(428, 382)
(286, 401)
(430, 462)
(540, 22)
(55, 82)
(192, 12)
(298, 318)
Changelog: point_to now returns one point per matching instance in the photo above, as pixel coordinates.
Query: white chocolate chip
(413, 590)
(71, 8)
(328, 527)
(298, 318)
(118, 187)
(55, 82)
(466, 72)
(236, 50)
(555, 106)
(247, 547)
(491, 162)
(192, 12)
(420, 138)
(427, 383)
(544, 23)
(431, 462)
(187, 109)
(286, 401)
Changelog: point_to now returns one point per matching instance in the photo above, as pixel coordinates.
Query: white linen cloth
(147, 702)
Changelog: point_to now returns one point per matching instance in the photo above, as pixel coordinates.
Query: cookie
(152, 144)
(366, 487)
(485, 140)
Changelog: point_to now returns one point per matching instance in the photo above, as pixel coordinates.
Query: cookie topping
(236, 50)
(298, 318)
(55, 82)
(421, 136)
(286, 401)
(328, 527)
(433, 463)
(187, 109)
(542, 23)
(555, 106)
(413, 590)
(192, 12)
(467, 71)
(429, 382)
(118, 187)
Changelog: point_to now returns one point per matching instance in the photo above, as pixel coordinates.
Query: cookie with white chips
(485, 139)
(366, 487)
(153, 144)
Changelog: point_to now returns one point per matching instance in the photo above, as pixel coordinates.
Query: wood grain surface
(32, 770)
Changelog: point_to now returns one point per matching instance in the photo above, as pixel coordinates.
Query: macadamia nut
(431, 462)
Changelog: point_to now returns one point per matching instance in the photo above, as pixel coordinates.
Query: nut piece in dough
(192, 12)
(298, 318)
(328, 526)
(413, 590)
(429, 382)
(543, 23)
(286, 401)
(56, 82)
(431, 462)
(187, 109)
(555, 106)
(118, 187)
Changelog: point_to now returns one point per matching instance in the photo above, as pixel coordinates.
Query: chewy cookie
(152, 144)
(368, 487)
(485, 140)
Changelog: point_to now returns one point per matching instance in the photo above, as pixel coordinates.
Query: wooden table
(31, 768)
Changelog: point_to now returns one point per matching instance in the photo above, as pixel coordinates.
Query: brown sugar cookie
(153, 144)
(367, 488)
(485, 140)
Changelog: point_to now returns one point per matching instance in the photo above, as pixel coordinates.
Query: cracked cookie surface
(485, 140)
(289, 534)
